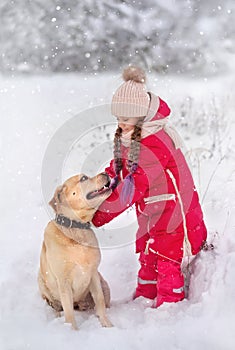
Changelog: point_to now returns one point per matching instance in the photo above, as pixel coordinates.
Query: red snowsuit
(168, 211)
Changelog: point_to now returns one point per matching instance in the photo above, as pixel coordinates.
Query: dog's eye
(83, 178)
(74, 193)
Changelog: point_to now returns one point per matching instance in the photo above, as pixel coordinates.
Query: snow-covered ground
(32, 109)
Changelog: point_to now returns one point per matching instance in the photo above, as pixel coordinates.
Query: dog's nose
(107, 176)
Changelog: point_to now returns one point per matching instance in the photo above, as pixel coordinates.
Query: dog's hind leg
(98, 296)
(46, 294)
(66, 297)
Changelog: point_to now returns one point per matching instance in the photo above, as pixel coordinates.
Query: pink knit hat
(131, 98)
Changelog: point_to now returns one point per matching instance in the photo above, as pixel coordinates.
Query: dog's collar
(64, 221)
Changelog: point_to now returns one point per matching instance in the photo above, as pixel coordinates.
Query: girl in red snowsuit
(150, 171)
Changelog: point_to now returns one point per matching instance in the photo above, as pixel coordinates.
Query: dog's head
(80, 196)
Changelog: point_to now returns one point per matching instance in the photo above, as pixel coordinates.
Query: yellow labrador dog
(68, 276)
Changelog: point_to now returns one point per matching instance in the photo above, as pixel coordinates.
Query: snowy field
(32, 109)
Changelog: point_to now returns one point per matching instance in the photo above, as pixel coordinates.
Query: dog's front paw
(105, 322)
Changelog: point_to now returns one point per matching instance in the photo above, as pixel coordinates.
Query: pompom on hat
(131, 98)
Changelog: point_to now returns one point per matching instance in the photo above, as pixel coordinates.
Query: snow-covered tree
(75, 35)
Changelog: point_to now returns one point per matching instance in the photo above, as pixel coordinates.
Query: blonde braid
(117, 151)
(117, 157)
(133, 156)
(132, 162)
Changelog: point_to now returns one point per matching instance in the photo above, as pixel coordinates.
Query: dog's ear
(56, 199)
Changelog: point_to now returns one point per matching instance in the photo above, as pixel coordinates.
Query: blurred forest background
(175, 36)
